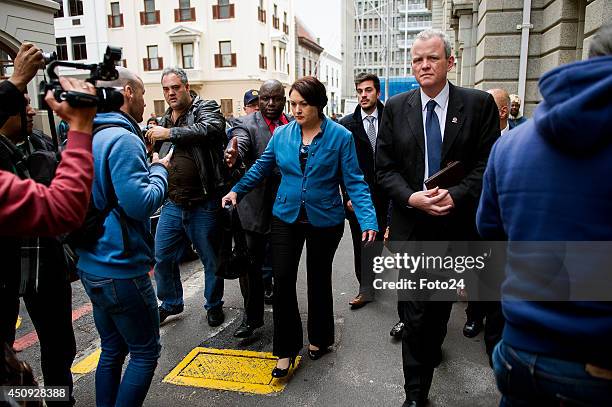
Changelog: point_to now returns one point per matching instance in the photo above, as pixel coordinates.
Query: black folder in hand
(448, 176)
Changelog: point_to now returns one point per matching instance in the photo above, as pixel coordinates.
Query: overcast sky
(322, 17)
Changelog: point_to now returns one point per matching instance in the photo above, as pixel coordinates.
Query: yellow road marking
(18, 324)
(229, 369)
(87, 364)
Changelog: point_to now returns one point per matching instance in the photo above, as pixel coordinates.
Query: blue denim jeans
(178, 227)
(127, 320)
(527, 379)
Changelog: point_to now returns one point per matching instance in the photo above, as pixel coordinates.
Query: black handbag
(234, 259)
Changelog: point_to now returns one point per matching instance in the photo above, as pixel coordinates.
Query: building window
(149, 15)
(185, 12)
(153, 62)
(59, 13)
(160, 107)
(226, 107)
(275, 19)
(62, 49)
(79, 48)
(309, 67)
(6, 63)
(274, 57)
(261, 13)
(263, 61)
(225, 58)
(115, 19)
(75, 7)
(187, 55)
(223, 9)
(285, 25)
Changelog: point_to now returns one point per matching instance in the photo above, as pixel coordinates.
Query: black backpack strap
(114, 203)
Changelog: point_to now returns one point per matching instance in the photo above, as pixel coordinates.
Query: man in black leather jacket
(195, 130)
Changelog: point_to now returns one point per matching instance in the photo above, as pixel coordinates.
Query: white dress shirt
(440, 109)
(366, 124)
(506, 129)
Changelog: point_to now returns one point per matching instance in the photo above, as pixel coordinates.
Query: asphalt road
(364, 368)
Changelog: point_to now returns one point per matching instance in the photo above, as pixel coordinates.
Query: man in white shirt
(421, 132)
(364, 124)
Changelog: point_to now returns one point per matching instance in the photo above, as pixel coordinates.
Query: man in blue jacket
(115, 271)
(542, 184)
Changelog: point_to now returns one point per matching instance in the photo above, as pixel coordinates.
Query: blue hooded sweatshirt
(547, 180)
(121, 170)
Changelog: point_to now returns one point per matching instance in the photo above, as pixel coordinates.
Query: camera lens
(49, 57)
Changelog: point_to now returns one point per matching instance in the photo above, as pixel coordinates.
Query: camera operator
(29, 208)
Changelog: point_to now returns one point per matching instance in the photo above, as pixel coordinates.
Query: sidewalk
(364, 369)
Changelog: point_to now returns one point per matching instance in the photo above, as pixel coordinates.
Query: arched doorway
(8, 50)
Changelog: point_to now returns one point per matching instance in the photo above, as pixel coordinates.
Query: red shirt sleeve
(29, 208)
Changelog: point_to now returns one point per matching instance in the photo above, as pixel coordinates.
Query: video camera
(106, 99)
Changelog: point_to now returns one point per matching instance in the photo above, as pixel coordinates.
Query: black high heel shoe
(316, 354)
(278, 373)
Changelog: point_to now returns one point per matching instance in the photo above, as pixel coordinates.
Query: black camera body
(106, 99)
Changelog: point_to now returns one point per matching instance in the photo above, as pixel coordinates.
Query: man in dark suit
(251, 134)
(364, 124)
(421, 132)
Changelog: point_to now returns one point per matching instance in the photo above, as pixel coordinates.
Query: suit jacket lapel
(262, 127)
(454, 121)
(379, 107)
(414, 114)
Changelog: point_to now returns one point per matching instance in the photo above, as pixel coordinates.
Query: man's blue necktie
(434, 139)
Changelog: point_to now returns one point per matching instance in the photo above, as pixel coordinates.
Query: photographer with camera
(113, 270)
(39, 273)
(29, 208)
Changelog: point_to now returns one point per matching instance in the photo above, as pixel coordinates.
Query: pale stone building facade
(330, 73)
(226, 46)
(511, 43)
(26, 21)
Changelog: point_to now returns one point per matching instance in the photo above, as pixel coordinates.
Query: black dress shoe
(413, 403)
(397, 329)
(472, 328)
(278, 373)
(245, 330)
(164, 313)
(215, 316)
(316, 354)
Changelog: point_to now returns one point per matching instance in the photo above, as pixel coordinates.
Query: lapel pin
(454, 120)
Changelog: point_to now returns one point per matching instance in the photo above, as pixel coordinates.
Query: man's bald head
(126, 77)
(272, 99)
(502, 100)
(272, 85)
(133, 92)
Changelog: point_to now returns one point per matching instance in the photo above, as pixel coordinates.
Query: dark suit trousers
(494, 323)
(251, 284)
(365, 276)
(424, 331)
(287, 243)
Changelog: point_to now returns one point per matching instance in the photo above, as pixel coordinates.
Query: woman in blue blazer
(314, 155)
